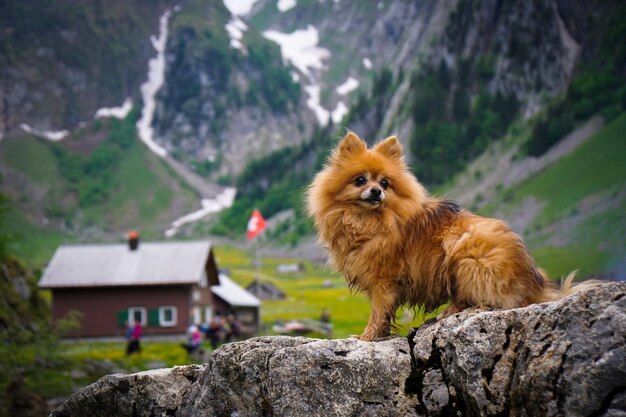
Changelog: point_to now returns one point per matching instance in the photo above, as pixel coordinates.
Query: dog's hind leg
(451, 310)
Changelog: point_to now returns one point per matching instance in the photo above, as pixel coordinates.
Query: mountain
(60, 61)
(227, 97)
(253, 94)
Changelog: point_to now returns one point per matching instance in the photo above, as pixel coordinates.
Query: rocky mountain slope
(552, 359)
(61, 62)
(227, 88)
(524, 48)
(221, 105)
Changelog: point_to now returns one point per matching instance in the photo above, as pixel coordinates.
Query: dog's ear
(389, 147)
(351, 145)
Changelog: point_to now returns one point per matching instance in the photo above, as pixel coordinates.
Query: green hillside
(32, 157)
(595, 166)
(78, 189)
(583, 196)
(35, 244)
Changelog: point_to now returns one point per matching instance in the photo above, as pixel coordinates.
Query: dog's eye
(384, 183)
(360, 181)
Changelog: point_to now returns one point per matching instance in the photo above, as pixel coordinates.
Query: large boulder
(566, 358)
(288, 376)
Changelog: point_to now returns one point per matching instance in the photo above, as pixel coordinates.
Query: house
(232, 297)
(290, 268)
(165, 286)
(264, 290)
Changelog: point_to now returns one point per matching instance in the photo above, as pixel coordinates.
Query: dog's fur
(401, 246)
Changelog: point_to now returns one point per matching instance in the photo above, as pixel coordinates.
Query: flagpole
(258, 265)
(256, 280)
(256, 225)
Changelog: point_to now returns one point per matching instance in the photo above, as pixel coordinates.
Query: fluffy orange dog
(393, 241)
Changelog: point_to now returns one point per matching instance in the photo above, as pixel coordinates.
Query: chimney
(133, 240)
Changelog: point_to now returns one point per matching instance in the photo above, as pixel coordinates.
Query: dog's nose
(375, 192)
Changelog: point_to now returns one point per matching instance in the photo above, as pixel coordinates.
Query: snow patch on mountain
(149, 89)
(235, 28)
(284, 5)
(347, 87)
(339, 113)
(313, 102)
(300, 49)
(118, 112)
(209, 206)
(54, 136)
(239, 7)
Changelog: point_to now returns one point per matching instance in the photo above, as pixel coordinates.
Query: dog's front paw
(370, 335)
(367, 336)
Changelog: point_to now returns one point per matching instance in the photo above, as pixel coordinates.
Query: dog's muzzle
(373, 196)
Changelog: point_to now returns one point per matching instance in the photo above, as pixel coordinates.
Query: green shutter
(153, 317)
(122, 318)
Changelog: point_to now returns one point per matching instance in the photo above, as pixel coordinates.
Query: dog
(400, 246)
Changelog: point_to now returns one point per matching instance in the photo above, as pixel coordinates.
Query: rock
(296, 376)
(552, 359)
(150, 393)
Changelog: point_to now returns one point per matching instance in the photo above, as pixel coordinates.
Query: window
(197, 315)
(208, 314)
(245, 316)
(167, 316)
(137, 314)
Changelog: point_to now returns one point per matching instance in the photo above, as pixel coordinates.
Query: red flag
(256, 224)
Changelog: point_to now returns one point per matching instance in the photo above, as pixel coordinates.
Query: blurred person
(134, 344)
(215, 330)
(232, 329)
(193, 339)
(204, 328)
(325, 319)
(128, 335)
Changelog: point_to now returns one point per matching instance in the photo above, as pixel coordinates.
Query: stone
(296, 376)
(150, 393)
(566, 358)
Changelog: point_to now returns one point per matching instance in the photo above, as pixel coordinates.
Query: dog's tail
(568, 287)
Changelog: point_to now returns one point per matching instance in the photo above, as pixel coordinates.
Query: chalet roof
(233, 294)
(264, 286)
(157, 263)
